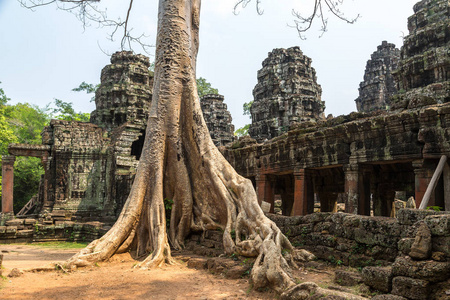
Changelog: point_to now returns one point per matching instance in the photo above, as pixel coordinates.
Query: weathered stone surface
(409, 216)
(15, 273)
(379, 278)
(404, 245)
(378, 85)
(347, 278)
(310, 290)
(429, 270)
(197, 263)
(439, 224)
(421, 248)
(218, 119)
(236, 272)
(286, 92)
(14, 222)
(410, 288)
(423, 70)
(388, 297)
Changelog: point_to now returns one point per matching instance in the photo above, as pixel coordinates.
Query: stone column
(45, 164)
(364, 193)
(7, 183)
(423, 173)
(303, 193)
(351, 172)
(264, 190)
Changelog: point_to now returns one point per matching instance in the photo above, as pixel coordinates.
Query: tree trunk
(180, 162)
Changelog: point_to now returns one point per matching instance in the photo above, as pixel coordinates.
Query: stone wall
(30, 230)
(423, 75)
(378, 85)
(287, 92)
(218, 119)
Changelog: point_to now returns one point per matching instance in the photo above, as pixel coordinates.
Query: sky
(46, 53)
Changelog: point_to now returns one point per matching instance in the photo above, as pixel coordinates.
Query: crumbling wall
(423, 75)
(218, 119)
(378, 85)
(286, 92)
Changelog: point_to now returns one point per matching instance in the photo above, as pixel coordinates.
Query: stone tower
(125, 91)
(378, 85)
(286, 92)
(423, 74)
(218, 119)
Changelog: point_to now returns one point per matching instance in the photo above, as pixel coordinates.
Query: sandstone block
(11, 229)
(2, 229)
(429, 270)
(410, 288)
(236, 272)
(14, 222)
(197, 263)
(29, 221)
(346, 278)
(379, 278)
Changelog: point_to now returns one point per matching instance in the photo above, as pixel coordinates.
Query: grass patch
(61, 245)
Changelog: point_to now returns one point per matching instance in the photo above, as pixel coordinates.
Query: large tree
(181, 163)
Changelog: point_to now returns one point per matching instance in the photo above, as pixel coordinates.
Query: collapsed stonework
(218, 119)
(378, 85)
(287, 92)
(423, 74)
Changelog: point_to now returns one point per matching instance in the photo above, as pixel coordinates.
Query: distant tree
(243, 131)
(65, 111)
(27, 175)
(246, 107)
(205, 88)
(89, 88)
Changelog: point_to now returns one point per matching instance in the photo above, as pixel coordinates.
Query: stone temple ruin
(367, 160)
(378, 85)
(287, 92)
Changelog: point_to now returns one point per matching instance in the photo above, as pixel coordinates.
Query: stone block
(439, 224)
(29, 221)
(236, 272)
(14, 222)
(441, 244)
(408, 216)
(24, 233)
(404, 245)
(197, 263)
(346, 278)
(410, 288)
(421, 248)
(388, 297)
(11, 229)
(2, 229)
(379, 278)
(429, 270)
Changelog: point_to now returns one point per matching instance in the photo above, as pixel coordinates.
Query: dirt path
(113, 280)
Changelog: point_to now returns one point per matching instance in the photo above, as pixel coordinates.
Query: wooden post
(433, 182)
(447, 187)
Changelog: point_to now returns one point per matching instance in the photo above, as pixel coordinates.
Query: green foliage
(3, 98)
(89, 88)
(27, 174)
(65, 111)
(246, 107)
(168, 203)
(205, 88)
(435, 208)
(243, 131)
(61, 245)
(26, 121)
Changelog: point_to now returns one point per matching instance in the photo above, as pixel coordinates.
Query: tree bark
(180, 162)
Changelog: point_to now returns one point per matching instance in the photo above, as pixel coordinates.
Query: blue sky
(46, 53)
